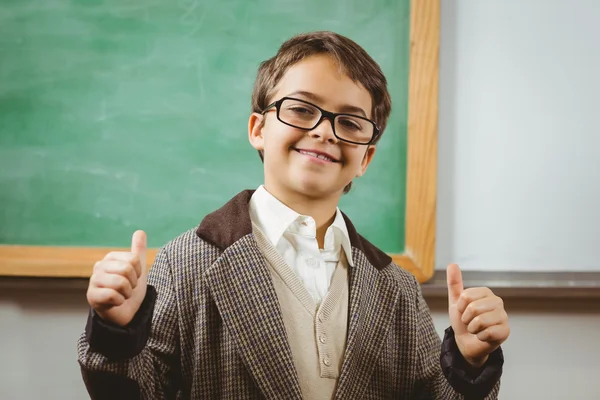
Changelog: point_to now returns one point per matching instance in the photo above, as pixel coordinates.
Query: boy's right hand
(118, 285)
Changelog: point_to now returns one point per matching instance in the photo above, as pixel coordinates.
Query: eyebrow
(346, 108)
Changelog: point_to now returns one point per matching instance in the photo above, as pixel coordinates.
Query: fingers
(114, 279)
(482, 322)
(470, 295)
(455, 283)
(126, 258)
(480, 306)
(116, 282)
(483, 314)
(119, 267)
(495, 334)
(104, 298)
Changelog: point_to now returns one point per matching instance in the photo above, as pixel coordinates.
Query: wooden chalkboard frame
(418, 258)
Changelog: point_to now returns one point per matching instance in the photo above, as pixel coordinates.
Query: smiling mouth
(316, 155)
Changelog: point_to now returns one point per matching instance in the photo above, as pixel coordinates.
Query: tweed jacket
(211, 327)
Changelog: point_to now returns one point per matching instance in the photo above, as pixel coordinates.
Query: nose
(324, 131)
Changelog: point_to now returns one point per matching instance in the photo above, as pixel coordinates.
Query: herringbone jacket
(211, 328)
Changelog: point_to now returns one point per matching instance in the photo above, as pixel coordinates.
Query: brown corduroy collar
(231, 222)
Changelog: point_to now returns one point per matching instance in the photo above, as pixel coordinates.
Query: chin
(314, 189)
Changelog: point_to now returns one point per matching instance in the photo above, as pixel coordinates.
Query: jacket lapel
(373, 298)
(243, 291)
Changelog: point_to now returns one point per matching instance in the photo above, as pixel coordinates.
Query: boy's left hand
(478, 318)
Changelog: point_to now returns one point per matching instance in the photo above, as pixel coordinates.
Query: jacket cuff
(473, 383)
(122, 342)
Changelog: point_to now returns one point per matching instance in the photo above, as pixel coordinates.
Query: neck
(322, 210)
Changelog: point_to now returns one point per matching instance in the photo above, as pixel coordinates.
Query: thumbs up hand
(118, 284)
(478, 318)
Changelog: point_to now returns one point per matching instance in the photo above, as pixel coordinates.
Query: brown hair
(352, 59)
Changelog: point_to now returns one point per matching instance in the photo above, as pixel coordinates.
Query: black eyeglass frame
(324, 115)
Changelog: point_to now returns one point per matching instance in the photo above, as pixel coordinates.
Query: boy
(275, 295)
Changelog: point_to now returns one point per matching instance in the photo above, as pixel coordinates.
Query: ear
(255, 136)
(366, 160)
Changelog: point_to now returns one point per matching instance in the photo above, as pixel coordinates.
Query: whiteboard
(519, 143)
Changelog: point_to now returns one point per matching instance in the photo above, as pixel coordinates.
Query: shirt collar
(270, 215)
(341, 232)
(273, 218)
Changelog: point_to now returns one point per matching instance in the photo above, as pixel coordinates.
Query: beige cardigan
(316, 334)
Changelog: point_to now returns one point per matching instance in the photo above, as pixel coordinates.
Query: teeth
(310, 153)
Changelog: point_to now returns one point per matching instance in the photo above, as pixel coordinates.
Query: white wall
(518, 89)
(38, 335)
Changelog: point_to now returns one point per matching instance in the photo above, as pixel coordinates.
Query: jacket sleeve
(140, 360)
(442, 370)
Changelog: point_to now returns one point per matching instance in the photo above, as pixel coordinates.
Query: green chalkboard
(124, 114)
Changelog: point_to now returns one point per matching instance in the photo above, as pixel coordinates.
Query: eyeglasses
(304, 115)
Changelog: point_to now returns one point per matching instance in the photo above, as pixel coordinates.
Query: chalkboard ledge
(508, 285)
(526, 285)
(55, 261)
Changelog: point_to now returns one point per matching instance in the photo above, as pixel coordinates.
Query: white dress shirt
(295, 238)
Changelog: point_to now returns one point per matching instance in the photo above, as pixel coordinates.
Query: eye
(349, 124)
(298, 109)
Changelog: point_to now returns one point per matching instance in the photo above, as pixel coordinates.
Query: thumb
(139, 246)
(455, 283)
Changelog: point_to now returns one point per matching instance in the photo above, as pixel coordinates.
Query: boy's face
(287, 166)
